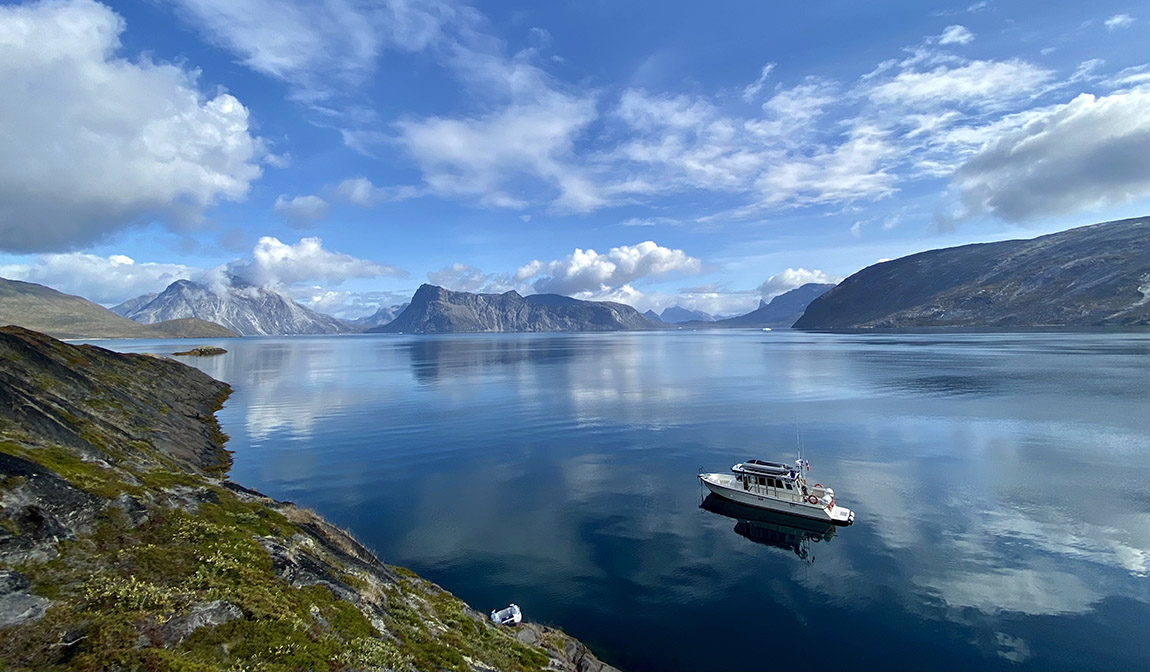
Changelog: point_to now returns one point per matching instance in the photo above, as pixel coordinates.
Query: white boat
(509, 616)
(775, 486)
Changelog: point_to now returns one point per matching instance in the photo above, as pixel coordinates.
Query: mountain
(782, 311)
(132, 305)
(44, 309)
(379, 318)
(675, 314)
(244, 308)
(123, 546)
(436, 310)
(653, 316)
(1093, 275)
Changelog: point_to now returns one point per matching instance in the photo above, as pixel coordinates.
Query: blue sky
(661, 154)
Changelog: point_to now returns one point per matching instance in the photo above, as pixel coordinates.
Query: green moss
(87, 476)
(439, 633)
(403, 571)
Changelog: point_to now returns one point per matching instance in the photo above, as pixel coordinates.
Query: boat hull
(724, 486)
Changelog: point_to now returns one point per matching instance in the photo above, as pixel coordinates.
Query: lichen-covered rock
(202, 615)
(17, 605)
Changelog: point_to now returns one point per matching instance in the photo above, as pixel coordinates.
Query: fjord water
(1001, 483)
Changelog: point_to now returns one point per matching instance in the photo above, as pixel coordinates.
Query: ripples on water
(1001, 483)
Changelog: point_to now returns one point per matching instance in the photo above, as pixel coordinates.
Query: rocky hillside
(435, 310)
(123, 547)
(241, 307)
(1090, 276)
(44, 309)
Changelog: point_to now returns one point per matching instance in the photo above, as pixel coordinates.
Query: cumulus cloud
(956, 35)
(102, 141)
(1119, 21)
(1088, 153)
(107, 280)
(793, 278)
(274, 263)
(589, 271)
(301, 211)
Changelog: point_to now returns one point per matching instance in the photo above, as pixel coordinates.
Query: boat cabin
(781, 486)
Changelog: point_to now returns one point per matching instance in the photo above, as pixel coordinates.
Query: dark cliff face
(122, 547)
(435, 310)
(1090, 276)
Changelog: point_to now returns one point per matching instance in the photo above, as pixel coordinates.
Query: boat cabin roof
(762, 467)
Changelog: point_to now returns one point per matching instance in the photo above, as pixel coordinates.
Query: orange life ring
(812, 499)
(818, 485)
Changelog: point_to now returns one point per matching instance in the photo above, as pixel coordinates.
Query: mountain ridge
(1096, 275)
(437, 310)
(246, 309)
(41, 308)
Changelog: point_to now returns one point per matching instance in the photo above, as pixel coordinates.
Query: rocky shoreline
(124, 546)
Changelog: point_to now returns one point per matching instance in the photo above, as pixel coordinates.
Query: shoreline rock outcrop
(124, 546)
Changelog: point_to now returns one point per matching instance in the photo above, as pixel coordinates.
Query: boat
(509, 616)
(780, 487)
(778, 530)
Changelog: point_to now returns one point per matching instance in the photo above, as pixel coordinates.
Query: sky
(672, 153)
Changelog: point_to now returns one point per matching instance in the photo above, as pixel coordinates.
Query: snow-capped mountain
(241, 307)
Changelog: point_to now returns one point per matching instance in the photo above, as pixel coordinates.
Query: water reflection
(433, 358)
(772, 529)
(557, 471)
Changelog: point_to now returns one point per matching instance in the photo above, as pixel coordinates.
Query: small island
(202, 351)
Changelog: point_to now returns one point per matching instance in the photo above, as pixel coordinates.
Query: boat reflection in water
(779, 530)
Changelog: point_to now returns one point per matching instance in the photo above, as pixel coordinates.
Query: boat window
(789, 487)
(762, 480)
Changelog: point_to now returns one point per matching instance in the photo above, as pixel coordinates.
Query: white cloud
(463, 278)
(856, 230)
(302, 211)
(956, 35)
(793, 278)
(107, 280)
(360, 191)
(981, 85)
(480, 157)
(321, 49)
(1088, 153)
(104, 141)
(754, 87)
(589, 271)
(1119, 21)
(275, 264)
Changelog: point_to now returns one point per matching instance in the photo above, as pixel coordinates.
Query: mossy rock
(202, 351)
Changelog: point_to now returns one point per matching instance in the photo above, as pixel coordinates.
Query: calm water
(1001, 484)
